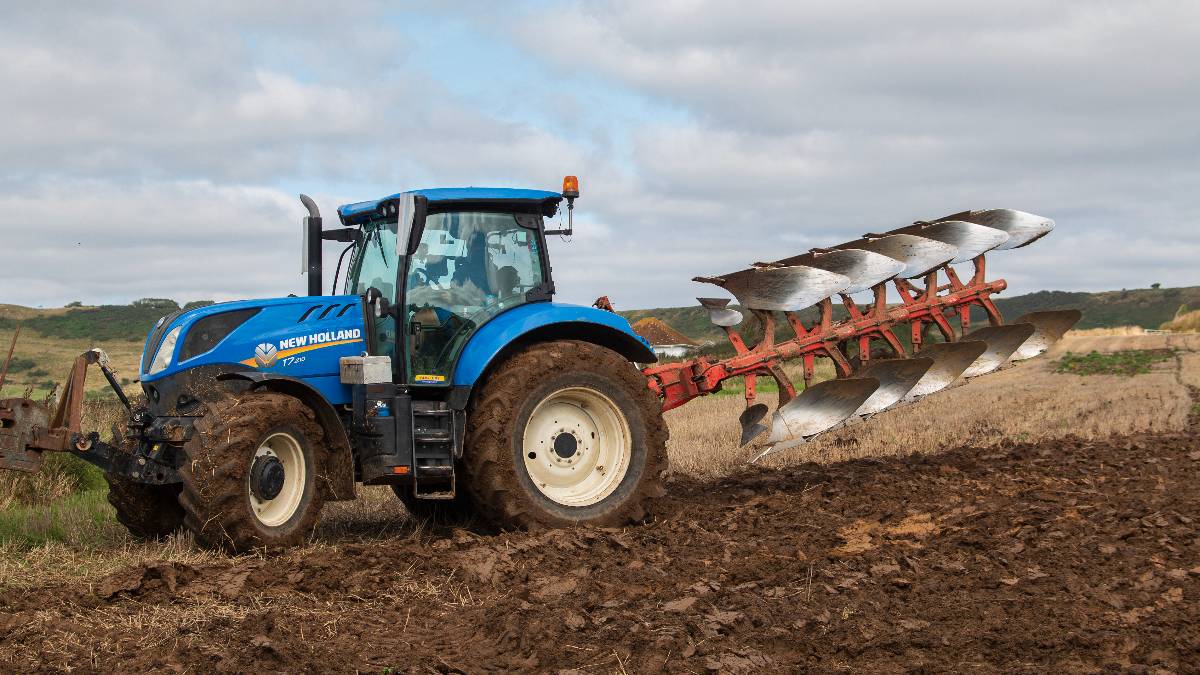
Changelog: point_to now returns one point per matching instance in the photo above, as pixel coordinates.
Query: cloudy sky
(157, 150)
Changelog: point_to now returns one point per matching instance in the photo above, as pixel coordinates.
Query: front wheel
(147, 511)
(249, 479)
(565, 433)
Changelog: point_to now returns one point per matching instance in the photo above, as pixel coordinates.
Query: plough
(917, 260)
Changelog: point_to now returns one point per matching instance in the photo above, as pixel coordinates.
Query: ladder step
(432, 412)
(432, 436)
(449, 494)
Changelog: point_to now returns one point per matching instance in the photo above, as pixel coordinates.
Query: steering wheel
(422, 279)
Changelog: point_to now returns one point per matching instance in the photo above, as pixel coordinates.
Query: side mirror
(379, 304)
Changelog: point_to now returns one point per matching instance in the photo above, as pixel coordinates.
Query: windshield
(375, 261)
(381, 251)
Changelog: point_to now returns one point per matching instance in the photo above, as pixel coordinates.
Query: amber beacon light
(570, 191)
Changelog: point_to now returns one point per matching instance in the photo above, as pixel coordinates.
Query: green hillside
(1145, 307)
(104, 323)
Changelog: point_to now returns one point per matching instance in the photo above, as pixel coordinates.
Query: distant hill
(100, 324)
(1145, 307)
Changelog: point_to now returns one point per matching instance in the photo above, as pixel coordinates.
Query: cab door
(468, 266)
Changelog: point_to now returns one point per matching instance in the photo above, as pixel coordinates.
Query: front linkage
(147, 451)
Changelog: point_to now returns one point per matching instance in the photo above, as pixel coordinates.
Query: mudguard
(540, 321)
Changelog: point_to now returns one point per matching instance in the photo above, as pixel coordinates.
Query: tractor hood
(299, 337)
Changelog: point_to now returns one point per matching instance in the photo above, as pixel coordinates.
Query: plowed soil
(1070, 555)
(658, 332)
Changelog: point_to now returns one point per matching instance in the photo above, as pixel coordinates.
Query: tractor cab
(436, 265)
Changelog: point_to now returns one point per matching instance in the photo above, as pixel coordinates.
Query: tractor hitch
(144, 455)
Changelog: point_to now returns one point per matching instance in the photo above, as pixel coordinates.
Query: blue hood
(301, 337)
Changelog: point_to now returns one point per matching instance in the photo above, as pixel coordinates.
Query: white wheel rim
(593, 446)
(277, 511)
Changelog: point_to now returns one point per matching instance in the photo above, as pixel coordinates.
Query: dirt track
(1025, 557)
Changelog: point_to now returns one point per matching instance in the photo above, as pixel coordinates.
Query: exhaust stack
(311, 264)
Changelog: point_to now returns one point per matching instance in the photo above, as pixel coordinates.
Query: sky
(157, 149)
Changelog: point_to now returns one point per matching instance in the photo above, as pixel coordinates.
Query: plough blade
(919, 255)
(896, 378)
(719, 313)
(780, 289)
(816, 409)
(864, 269)
(1049, 327)
(751, 419)
(1023, 228)
(1002, 342)
(970, 239)
(950, 359)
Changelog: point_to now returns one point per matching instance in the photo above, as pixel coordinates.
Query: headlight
(166, 349)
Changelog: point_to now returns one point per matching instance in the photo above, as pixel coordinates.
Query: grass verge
(80, 519)
(1124, 362)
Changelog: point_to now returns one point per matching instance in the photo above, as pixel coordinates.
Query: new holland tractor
(445, 370)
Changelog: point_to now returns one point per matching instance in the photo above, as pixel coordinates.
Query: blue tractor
(441, 367)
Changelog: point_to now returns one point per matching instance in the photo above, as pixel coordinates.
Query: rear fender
(541, 322)
(338, 483)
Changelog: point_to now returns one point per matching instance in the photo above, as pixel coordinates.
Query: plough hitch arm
(28, 429)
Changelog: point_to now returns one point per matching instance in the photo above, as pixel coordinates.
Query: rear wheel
(565, 433)
(249, 479)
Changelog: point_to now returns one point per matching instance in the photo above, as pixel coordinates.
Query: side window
(468, 267)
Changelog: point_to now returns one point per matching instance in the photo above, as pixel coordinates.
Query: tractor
(445, 369)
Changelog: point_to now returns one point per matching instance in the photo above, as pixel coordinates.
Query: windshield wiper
(382, 254)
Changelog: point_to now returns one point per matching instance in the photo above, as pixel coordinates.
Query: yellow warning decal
(429, 378)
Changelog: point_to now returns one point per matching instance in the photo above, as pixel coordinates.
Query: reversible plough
(881, 373)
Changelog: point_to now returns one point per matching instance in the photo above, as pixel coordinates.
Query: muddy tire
(147, 511)
(456, 510)
(249, 478)
(565, 433)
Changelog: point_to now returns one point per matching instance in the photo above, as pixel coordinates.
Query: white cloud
(164, 138)
(811, 123)
(97, 241)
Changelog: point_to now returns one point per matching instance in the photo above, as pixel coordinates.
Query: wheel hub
(566, 445)
(266, 477)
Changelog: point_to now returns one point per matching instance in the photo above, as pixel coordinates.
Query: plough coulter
(874, 369)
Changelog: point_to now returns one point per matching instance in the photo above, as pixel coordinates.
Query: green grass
(1125, 362)
(83, 518)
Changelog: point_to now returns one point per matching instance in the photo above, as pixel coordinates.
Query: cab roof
(354, 212)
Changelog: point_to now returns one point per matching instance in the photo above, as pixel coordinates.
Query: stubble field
(1025, 521)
